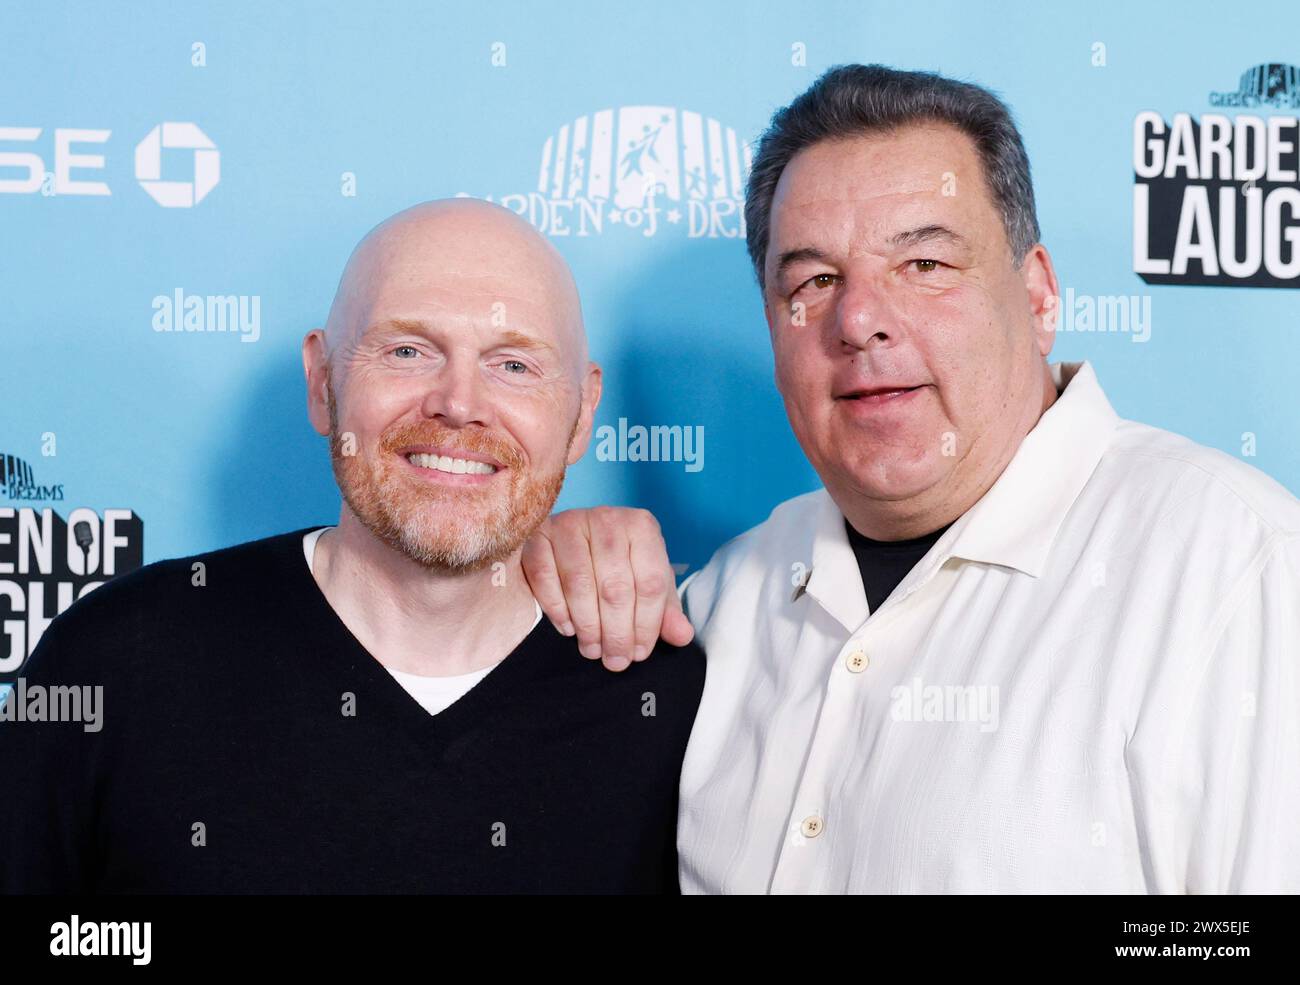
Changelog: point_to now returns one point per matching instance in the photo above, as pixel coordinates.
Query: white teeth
(456, 466)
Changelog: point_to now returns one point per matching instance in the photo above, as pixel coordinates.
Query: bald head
(453, 383)
(460, 260)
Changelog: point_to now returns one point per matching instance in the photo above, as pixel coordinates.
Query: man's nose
(864, 317)
(458, 395)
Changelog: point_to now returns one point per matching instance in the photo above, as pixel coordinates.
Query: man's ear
(315, 366)
(1044, 295)
(591, 387)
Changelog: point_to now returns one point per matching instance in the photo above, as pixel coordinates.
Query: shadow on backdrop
(273, 474)
(698, 354)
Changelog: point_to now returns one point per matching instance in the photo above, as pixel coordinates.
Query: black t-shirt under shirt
(249, 743)
(885, 563)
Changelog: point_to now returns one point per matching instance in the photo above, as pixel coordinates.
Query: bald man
(375, 706)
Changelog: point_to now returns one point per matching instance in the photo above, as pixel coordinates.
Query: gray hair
(851, 100)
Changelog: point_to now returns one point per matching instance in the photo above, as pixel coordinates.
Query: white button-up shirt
(1090, 683)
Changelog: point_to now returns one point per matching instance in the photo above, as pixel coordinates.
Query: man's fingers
(611, 553)
(650, 601)
(654, 582)
(577, 575)
(538, 560)
(677, 629)
(603, 575)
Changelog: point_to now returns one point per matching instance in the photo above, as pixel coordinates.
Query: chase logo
(1274, 85)
(148, 165)
(68, 170)
(639, 167)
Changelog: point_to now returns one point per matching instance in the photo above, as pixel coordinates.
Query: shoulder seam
(1223, 483)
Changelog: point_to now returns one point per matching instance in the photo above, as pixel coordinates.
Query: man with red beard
(375, 706)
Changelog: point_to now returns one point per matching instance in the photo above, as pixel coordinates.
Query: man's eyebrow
(397, 326)
(416, 326)
(519, 340)
(926, 234)
(790, 257)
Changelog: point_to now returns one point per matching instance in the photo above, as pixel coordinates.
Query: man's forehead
(879, 185)
(471, 295)
(882, 214)
(449, 292)
(432, 311)
(409, 271)
(877, 224)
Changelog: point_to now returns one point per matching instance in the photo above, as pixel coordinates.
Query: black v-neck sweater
(227, 761)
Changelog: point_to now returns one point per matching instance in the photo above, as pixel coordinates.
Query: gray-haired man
(1016, 643)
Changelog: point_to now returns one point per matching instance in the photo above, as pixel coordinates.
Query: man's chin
(450, 530)
(892, 481)
(450, 558)
(458, 537)
(454, 540)
(453, 554)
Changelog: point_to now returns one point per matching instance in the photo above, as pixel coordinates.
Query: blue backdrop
(240, 150)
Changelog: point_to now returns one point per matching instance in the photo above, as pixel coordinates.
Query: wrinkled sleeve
(1239, 775)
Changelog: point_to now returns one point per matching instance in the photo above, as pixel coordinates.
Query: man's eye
(406, 351)
(515, 366)
(926, 266)
(818, 281)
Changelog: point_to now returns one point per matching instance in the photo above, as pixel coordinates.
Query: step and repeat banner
(180, 184)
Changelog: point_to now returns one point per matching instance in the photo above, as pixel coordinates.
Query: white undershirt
(433, 693)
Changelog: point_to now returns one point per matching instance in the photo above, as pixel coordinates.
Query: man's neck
(418, 620)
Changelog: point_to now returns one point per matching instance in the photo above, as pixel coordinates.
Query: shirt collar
(1013, 524)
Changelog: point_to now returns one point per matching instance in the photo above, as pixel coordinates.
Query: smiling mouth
(454, 466)
(878, 395)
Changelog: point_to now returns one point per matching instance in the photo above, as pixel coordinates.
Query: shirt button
(856, 662)
(812, 826)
